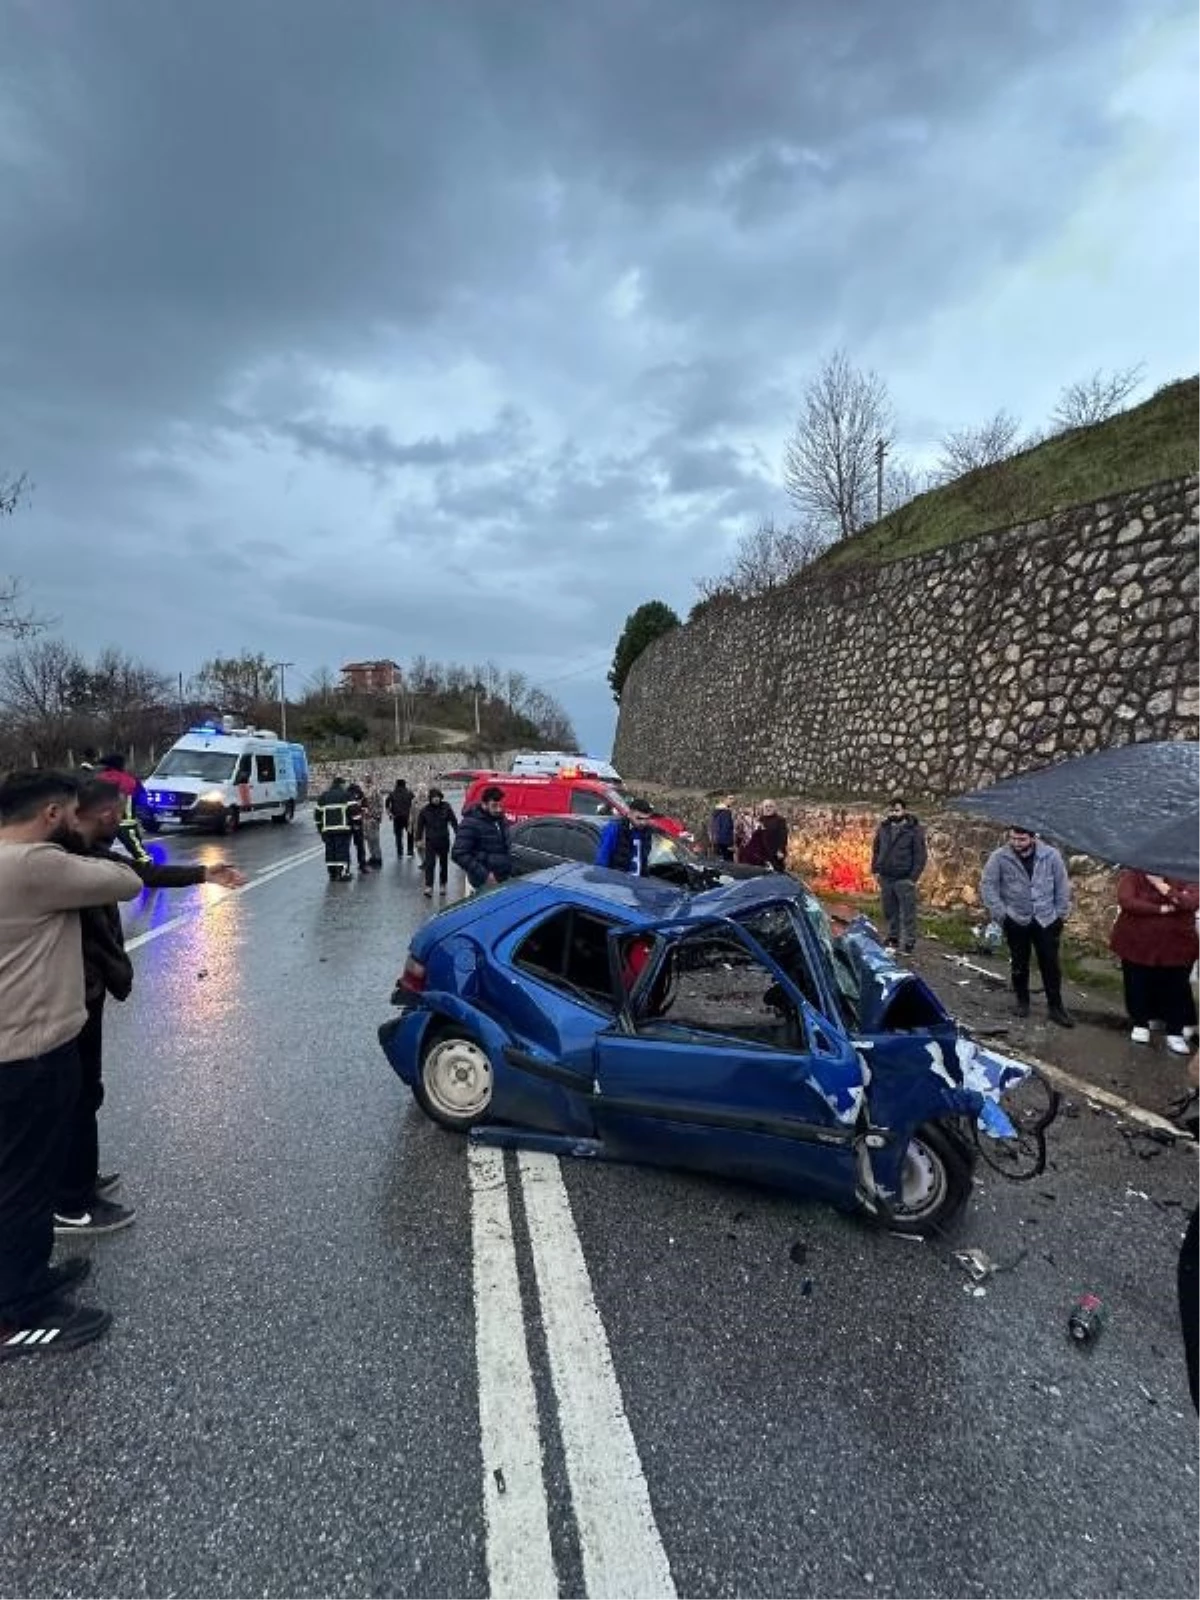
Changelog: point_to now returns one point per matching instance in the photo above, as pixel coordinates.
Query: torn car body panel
(726, 1032)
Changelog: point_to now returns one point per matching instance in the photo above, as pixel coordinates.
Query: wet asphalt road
(288, 1402)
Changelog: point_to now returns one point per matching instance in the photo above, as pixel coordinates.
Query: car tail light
(412, 979)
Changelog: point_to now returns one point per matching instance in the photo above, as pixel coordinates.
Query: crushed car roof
(659, 902)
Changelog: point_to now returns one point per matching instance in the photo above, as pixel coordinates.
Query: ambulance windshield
(212, 766)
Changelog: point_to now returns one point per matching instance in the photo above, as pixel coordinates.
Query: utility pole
(281, 668)
(880, 452)
(182, 712)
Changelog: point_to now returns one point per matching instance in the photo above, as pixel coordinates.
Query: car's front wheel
(935, 1181)
(455, 1083)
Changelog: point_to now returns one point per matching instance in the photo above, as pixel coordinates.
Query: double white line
(619, 1543)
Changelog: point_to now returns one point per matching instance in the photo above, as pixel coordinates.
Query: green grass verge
(1145, 445)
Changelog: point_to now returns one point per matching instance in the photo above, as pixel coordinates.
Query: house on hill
(371, 677)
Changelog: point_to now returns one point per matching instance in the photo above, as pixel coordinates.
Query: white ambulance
(219, 776)
(561, 764)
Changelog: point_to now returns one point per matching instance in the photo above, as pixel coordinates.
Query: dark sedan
(543, 842)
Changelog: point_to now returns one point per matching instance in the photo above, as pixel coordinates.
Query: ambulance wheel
(229, 821)
(288, 812)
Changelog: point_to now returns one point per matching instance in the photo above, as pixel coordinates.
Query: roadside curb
(1104, 1097)
(1063, 1079)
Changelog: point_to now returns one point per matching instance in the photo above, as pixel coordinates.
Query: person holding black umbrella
(1026, 889)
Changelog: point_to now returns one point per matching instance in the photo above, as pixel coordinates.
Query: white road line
(185, 917)
(622, 1550)
(1102, 1097)
(519, 1558)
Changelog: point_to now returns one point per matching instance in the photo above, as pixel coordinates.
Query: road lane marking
(619, 1540)
(267, 876)
(1102, 1097)
(519, 1557)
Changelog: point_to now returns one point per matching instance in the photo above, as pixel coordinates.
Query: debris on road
(1086, 1319)
(977, 1262)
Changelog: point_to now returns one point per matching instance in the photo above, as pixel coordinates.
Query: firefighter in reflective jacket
(337, 814)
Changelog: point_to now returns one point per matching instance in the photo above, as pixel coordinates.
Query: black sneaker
(66, 1274)
(59, 1326)
(1061, 1016)
(102, 1216)
(1021, 1008)
(107, 1181)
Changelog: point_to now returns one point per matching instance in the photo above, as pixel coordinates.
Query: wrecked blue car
(595, 1014)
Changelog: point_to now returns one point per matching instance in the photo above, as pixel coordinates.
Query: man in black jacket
(482, 847)
(400, 808)
(435, 824)
(898, 859)
(82, 1207)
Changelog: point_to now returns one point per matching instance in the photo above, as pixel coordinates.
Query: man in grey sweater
(1026, 890)
(42, 1010)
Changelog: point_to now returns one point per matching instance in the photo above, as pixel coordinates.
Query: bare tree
(16, 622)
(829, 462)
(41, 687)
(1095, 399)
(516, 687)
(122, 694)
(243, 684)
(553, 725)
(765, 558)
(972, 449)
(323, 684)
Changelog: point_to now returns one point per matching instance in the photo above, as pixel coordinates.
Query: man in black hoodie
(82, 1208)
(898, 859)
(435, 823)
(482, 847)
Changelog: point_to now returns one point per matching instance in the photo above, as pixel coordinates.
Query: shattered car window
(710, 983)
(570, 951)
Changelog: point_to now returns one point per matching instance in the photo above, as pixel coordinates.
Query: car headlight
(214, 797)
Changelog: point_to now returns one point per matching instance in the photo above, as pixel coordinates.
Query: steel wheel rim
(922, 1180)
(458, 1078)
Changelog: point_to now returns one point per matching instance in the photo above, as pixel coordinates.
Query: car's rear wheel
(286, 815)
(935, 1181)
(455, 1085)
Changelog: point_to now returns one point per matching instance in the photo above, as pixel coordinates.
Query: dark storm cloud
(374, 449)
(510, 292)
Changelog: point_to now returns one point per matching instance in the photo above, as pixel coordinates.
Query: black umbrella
(1136, 806)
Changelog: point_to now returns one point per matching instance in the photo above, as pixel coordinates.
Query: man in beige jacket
(42, 1010)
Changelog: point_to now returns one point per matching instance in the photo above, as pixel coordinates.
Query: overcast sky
(375, 327)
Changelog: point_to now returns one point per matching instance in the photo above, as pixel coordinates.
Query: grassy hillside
(1156, 440)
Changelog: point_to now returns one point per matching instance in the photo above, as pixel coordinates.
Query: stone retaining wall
(938, 673)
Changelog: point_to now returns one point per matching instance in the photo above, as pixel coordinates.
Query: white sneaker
(1140, 1035)
(1178, 1045)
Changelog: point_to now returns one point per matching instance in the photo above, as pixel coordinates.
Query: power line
(577, 672)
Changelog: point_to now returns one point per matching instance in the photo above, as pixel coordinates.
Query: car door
(719, 1062)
